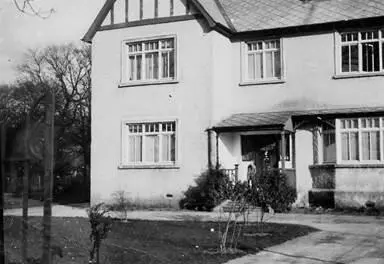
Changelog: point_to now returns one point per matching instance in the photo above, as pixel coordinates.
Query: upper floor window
(362, 52)
(150, 60)
(262, 61)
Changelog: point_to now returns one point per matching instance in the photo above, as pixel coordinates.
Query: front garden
(143, 242)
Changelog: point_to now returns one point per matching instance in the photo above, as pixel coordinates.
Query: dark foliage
(205, 194)
(270, 188)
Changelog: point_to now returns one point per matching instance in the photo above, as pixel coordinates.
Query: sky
(20, 32)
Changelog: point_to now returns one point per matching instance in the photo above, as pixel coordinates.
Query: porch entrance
(265, 152)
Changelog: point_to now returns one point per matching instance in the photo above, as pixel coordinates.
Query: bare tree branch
(27, 7)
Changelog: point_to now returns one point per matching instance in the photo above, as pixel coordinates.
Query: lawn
(143, 242)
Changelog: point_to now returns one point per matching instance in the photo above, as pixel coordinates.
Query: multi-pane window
(151, 143)
(151, 60)
(361, 139)
(263, 60)
(362, 51)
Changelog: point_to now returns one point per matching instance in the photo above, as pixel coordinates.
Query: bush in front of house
(209, 187)
(270, 188)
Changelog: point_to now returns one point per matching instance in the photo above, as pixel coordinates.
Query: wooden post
(156, 8)
(315, 145)
(112, 14)
(209, 138)
(236, 172)
(2, 171)
(171, 7)
(48, 176)
(141, 9)
(24, 244)
(283, 147)
(217, 151)
(126, 11)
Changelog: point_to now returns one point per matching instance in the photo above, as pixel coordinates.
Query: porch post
(283, 150)
(315, 145)
(217, 151)
(209, 135)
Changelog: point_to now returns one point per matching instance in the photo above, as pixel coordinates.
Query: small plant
(100, 226)
(121, 203)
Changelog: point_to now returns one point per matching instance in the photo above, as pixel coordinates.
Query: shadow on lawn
(147, 242)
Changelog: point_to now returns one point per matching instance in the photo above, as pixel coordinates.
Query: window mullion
(143, 144)
(381, 138)
(359, 138)
(380, 51)
(263, 59)
(160, 135)
(143, 63)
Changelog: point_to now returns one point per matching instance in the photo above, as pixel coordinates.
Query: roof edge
(98, 21)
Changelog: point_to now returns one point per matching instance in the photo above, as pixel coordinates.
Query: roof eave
(98, 21)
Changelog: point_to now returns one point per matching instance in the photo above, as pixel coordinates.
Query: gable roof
(253, 15)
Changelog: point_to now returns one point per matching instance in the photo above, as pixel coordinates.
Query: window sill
(144, 83)
(347, 166)
(153, 166)
(357, 75)
(275, 81)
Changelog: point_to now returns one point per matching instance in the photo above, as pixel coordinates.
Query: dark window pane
(370, 56)
(345, 59)
(354, 58)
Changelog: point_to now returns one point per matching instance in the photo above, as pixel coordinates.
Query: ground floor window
(354, 140)
(149, 143)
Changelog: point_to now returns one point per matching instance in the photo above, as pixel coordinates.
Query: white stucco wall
(188, 101)
(309, 67)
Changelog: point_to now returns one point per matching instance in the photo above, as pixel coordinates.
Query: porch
(248, 144)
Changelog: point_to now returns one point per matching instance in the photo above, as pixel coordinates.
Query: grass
(143, 242)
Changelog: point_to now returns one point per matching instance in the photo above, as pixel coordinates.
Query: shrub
(100, 226)
(270, 188)
(207, 192)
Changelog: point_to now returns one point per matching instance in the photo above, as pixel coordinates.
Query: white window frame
(125, 163)
(338, 52)
(244, 62)
(125, 67)
(359, 130)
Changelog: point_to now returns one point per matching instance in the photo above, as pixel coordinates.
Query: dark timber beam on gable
(98, 21)
(150, 21)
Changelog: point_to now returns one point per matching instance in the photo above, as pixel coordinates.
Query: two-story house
(179, 85)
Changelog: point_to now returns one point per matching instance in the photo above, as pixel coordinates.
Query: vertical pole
(2, 171)
(48, 177)
(283, 148)
(24, 245)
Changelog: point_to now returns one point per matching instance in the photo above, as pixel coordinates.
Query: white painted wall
(188, 100)
(304, 158)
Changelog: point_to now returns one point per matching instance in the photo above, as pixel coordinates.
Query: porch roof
(252, 121)
(283, 120)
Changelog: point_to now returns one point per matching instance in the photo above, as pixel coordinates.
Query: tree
(67, 70)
